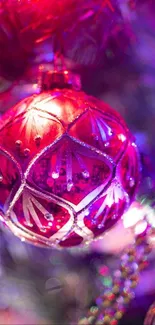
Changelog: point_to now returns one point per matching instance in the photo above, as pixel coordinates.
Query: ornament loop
(56, 78)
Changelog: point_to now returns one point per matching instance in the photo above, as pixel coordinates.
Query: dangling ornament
(68, 165)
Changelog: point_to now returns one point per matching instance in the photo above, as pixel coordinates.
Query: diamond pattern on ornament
(70, 170)
(128, 169)
(102, 131)
(107, 208)
(10, 179)
(41, 215)
(27, 129)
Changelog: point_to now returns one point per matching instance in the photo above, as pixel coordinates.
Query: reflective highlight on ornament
(72, 165)
(139, 212)
(140, 217)
(134, 215)
(141, 227)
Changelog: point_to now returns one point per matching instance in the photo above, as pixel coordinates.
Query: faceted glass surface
(10, 180)
(70, 171)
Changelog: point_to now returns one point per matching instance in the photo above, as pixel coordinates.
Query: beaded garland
(111, 306)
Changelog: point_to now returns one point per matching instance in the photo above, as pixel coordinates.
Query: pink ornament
(68, 168)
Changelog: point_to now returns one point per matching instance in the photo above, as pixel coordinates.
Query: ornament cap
(51, 79)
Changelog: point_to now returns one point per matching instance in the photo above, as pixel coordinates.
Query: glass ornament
(69, 167)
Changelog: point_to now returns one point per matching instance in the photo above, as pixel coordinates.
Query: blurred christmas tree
(113, 50)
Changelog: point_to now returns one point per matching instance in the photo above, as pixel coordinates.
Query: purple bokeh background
(54, 287)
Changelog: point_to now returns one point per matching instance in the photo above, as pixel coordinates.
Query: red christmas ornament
(69, 167)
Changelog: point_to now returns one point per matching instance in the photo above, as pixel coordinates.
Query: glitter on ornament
(69, 168)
